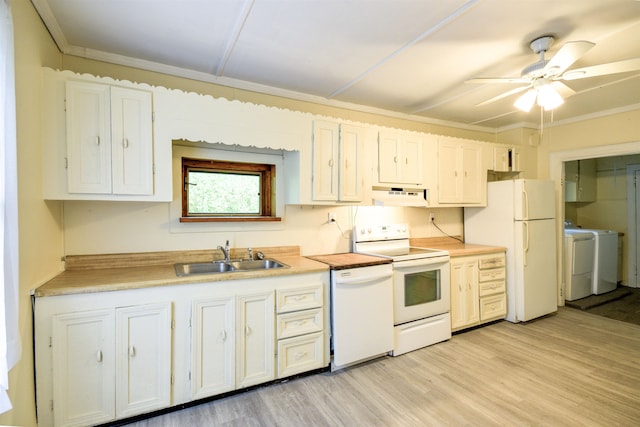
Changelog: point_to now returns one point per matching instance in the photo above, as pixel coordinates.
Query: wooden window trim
(267, 190)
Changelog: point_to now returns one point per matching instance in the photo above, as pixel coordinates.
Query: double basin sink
(189, 269)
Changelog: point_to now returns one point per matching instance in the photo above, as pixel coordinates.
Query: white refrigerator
(520, 215)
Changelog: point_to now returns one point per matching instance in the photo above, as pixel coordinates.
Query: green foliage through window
(218, 193)
(216, 190)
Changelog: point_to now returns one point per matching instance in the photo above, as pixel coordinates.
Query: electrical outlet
(432, 216)
(331, 217)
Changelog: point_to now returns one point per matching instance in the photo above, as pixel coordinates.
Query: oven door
(421, 289)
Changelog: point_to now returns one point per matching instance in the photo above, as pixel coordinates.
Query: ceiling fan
(543, 78)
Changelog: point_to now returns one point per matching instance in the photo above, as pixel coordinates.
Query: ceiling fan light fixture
(526, 101)
(548, 98)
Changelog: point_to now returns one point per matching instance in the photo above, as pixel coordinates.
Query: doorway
(556, 172)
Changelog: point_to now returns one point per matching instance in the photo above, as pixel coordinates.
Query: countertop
(120, 272)
(349, 260)
(455, 247)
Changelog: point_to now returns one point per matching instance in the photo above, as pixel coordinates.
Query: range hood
(396, 196)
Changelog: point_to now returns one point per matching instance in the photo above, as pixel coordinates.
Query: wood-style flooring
(568, 369)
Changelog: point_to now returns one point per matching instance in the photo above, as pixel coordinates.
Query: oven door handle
(363, 279)
(420, 262)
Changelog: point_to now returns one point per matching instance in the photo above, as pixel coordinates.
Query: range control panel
(377, 232)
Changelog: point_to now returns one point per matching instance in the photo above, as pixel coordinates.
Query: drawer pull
(132, 351)
(299, 355)
(223, 334)
(99, 356)
(247, 330)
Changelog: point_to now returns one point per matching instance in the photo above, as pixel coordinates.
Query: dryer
(579, 257)
(605, 272)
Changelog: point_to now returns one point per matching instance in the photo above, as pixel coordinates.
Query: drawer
(492, 308)
(492, 261)
(300, 354)
(300, 298)
(490, 288)
(491, 275)
(299, 323)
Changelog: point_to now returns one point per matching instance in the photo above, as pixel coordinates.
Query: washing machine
(605, 272)
(579, 263)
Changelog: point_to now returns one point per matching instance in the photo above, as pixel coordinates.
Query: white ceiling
(402, 56)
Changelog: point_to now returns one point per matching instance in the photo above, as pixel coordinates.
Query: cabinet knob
(132, 351)
(98, 140)
(125, 142)
(223, 335)
(247, 330)
(99, 356)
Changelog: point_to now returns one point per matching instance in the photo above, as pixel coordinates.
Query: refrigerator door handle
(525, 204)
(525, 232)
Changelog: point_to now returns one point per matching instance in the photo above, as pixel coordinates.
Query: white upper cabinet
(337, 162)
(88, 137)
(400, 158)
(131, 141)
(99, 140)
(462, 178)
(580, 181)
(506, 158)
(109, 139)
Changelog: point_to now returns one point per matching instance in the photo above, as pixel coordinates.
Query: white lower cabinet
(135, 351)
(213, 346)
(464, 292)
(111, 363)
(300, 324)
(478, 290)
(83, 368)
(256, 337)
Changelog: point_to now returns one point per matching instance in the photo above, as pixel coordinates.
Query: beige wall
(40, 228)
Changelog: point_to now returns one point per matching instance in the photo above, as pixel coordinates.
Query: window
(216, 190)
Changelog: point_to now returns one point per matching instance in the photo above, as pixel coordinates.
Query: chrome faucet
(250, 254)
(225, 251)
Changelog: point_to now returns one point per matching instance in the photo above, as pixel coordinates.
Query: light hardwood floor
(569, 369)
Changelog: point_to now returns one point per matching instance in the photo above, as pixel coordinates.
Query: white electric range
(421, 284)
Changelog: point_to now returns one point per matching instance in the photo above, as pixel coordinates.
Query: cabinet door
(88, 138)
(464, 293)
(83, 368)
(587, 180)
(472, 298)
(388, 161)
(325, 158)
(411, 169)
(501, 161)
(213, 341)
(132, 141)
(255, 339)
(449, 183)
(457, 294)
(143, 362)
(472, 173)
(350, 171)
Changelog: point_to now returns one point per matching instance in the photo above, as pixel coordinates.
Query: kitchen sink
(259, 264)
(189, 269)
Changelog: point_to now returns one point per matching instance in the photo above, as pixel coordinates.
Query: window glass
(218, 193)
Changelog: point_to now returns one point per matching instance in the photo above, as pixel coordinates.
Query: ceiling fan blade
(504, 95)
(602, 69)
(567, 55)
(564, 90)
(483, 80)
